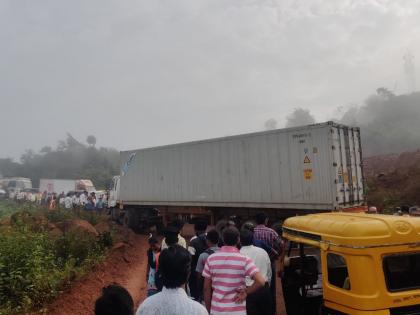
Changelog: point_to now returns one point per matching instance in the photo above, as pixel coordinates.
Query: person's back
(175, 266)
(152, 261)
(114, 300)
(100, 204)
(267, 235)
(68, 203)
(260, 302)
(197, 246)
(176, 225)
(212, 239)
(225, 273)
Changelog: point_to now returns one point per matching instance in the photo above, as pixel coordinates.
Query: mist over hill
(71, 159)
(389, 123)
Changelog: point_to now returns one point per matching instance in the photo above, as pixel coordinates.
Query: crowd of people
(71, 200)
(222, 270)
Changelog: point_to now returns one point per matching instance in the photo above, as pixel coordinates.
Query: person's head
(153, 243)
(249, 226)
(212, 238)
(261, 218)
(200, 226)
(278, 227)
(247, 237)
(177, 223)
(175, 266)
(114, 300)
(230, 236)
(171, 235)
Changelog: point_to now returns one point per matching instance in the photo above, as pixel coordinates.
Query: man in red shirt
(273, 243)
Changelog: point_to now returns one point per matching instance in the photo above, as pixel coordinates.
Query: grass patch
(35, 266)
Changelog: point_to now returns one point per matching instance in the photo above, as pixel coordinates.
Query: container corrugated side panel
(289, 168)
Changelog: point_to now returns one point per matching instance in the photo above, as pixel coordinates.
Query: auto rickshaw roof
(354, 230)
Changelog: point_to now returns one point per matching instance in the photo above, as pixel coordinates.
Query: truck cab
(356, 264)
(138, 218)
(114, 192)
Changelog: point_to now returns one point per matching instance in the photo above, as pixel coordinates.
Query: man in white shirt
(175, 267)
(176, 225)
(259, 302)
(68, 202)
(83, 199)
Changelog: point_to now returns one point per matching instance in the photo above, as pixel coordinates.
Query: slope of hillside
(393, 180)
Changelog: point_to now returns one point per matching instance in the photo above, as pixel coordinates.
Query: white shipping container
(316, 167)
(56, 185)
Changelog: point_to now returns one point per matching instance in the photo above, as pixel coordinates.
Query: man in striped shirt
(225, 291)
(267, 235)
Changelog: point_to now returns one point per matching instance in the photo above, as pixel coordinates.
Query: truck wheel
(115, 214)
(131, 219)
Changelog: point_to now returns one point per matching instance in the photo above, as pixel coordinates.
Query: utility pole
(410, 72)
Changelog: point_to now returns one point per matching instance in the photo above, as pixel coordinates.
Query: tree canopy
(70, 160)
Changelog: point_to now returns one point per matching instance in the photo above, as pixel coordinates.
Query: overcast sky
(144, 73)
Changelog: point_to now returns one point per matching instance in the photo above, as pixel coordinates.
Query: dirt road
(126, 265)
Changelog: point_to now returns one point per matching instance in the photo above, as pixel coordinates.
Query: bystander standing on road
(212, 238)
(152, 261)
(260, 302)
(100, 204)
(175, 267)
(176, 224)
(68, 203)
(270, 237)
(197, 246)
(225, 272)
(114, 300)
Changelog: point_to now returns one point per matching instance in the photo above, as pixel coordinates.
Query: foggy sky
(144, 73)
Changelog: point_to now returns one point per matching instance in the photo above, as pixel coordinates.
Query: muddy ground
(125, 265)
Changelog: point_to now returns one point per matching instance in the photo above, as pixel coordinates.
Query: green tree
(91, 140)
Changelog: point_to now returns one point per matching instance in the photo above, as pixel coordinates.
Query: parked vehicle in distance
(3, 193)
(355, 264)
(65, 185)
(56, 185)
(301, 170)
(85, 185)
(17, 184)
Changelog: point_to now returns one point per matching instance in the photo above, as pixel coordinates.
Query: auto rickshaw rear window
(402, 272)
(338, 274)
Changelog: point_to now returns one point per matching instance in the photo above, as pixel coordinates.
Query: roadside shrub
(35, 266)
(78, 248)
(28, 272)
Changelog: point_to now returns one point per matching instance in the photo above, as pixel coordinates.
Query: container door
(358, 173)
(349, 152)
(338, 165)
(347, 161)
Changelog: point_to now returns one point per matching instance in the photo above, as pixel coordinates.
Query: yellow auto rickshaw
(348, 263)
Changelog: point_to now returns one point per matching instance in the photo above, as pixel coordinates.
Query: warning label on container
(306, 160)
(346, 177)
(307, 173)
